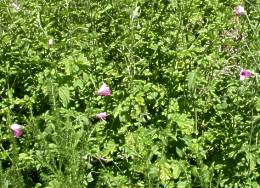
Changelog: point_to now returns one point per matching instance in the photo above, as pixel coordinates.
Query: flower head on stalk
(102, 116)
(104, 90)
(16, 6)
(240, 10)
(51, 42)
(245, 74)
(17, 130)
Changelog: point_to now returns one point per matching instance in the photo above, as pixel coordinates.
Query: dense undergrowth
(180, 112)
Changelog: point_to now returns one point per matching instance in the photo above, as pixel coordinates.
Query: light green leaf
(185, 124)
(165, 172)
(64, 94)
(257, 105)
(176, 171)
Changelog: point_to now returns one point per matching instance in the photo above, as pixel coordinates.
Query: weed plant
(120, 93)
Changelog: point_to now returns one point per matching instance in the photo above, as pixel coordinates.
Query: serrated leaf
(64, 94)
(176, 171)
(89, 177)
(182, 184)
(192, 78)
(185, 124)
(257, 105)
(24, 157)
(78, 83)
(165, 172)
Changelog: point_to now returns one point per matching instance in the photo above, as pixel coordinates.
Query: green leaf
(89, 177)
(179, 152)
(24, 156)
(185, 124)
(192, 78)
(257, 105)
(78, 83)
(176, 171)
(64, 94)
(182, 184)
(165, 171)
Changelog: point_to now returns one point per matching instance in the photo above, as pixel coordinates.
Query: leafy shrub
(178, 114)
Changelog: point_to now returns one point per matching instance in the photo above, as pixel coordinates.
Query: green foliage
(178, 115)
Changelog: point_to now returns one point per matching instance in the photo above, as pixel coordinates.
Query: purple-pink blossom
(104, 90)
(102, 116)
(239, 10)
(245, 74)
(17, 130)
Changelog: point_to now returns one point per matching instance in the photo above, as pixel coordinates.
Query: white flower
(51, 42)
(16, 6)
(135, 13)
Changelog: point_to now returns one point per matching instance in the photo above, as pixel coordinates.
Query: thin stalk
(195, 114)
(251, 128)
(6, 153)
(249, 22)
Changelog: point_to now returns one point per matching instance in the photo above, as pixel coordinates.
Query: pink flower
(104, 90)
(245, 74)
(17, 130)
(102, 116)
(239, 10)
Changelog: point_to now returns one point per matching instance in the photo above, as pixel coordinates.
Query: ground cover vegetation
(129, 93)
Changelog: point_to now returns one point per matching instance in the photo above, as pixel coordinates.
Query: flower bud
(104, 90)
(51, 42)
(102, 116)
(16, 6)
(240, 10)
(17, 130)
(245, 74)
